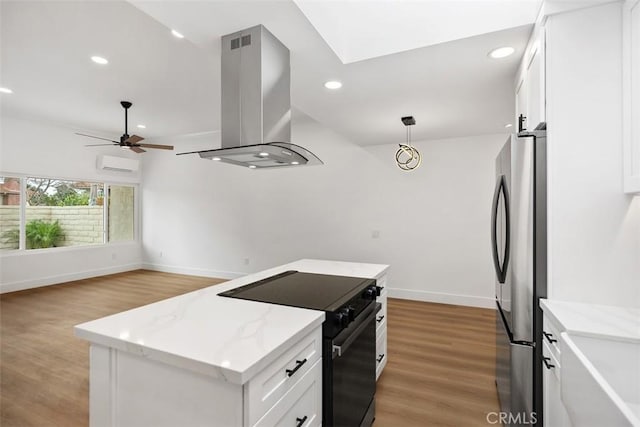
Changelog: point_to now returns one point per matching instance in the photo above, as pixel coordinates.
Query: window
(9, 212)
(63, 213)
(57, 213)
(121, 213)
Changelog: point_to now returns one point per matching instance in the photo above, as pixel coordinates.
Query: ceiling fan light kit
(127, 142)
(407, 157)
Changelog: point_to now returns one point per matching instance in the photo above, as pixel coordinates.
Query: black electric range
(342, 298)
(349, 334)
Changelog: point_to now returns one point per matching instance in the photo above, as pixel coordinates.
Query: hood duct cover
(256, 104)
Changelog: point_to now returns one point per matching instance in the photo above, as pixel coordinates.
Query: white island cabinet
(199, 359)
(381, 324)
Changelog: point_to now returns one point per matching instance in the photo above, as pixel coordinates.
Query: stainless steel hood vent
(256, 104)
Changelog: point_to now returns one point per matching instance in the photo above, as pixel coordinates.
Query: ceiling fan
(131, 142)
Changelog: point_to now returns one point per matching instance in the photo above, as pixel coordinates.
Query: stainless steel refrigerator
(519, 247)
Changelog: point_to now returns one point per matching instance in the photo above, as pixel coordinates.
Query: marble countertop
(595, 320)
(225, 338)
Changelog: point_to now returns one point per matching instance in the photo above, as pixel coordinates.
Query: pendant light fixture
(407, 157)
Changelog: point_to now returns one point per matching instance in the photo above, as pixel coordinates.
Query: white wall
(206, 218)
(594, 229)
(41, 149)
(32, 148)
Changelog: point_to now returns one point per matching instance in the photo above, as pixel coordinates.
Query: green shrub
(74, 199)
(42, 234)
(39, 234)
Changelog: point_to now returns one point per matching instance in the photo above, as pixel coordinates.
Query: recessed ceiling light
(177, 34)
(508, 125)
(333, 84)
(217, 159)
(99, 60)
(501, 52)
(252, 166)
(263, 154)
(142, 127)
(295, 163)
(5, 90)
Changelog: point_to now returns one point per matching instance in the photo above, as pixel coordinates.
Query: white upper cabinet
(530, 85)
(631, 95)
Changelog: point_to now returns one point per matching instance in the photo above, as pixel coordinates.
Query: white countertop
(225, 338)
(595, 320)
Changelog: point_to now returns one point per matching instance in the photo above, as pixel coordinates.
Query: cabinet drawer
(381, 352)
(265, 389)
(381, 325)
(551, 336)
(382, 281)
(552, 361)
(381, 317)
(301, 405)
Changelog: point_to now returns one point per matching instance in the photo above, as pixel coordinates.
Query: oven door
(350, 373)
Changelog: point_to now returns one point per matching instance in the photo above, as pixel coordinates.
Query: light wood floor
(440, 370)
(439, 373)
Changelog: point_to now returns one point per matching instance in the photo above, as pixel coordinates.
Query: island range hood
(256, 104)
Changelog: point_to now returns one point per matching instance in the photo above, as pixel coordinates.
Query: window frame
(105, 215)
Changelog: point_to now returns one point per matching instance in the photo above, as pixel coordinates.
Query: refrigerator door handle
(501, 270)
(494, 237)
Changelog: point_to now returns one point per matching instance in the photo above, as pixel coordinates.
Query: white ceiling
(45, 50)
(451, 88)
(363, 29)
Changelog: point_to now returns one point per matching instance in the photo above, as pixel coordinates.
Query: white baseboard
(442, 298)
(54, 280)
(202, 272)
(411, 294)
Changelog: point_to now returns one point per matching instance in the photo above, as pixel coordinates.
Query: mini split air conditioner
(119, 164)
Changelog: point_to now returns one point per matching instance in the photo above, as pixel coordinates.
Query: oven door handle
(341, 346)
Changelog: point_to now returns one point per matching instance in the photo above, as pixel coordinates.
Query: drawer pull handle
(299, 364)
(549, 337)
(380, 357)
(379, 319)
(300, 421)
(546, 362)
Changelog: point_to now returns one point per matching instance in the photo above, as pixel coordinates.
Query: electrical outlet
(160, 254)
(375, 234)
(246, 261)
(114, 255)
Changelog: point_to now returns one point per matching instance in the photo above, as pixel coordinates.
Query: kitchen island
(202, 359)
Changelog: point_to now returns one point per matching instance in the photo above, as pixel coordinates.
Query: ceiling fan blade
(98, 145)
(137, 149)
(161, 147)
(133, 139)
(97, 137)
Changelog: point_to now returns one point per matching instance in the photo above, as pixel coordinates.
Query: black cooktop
(315, 291)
